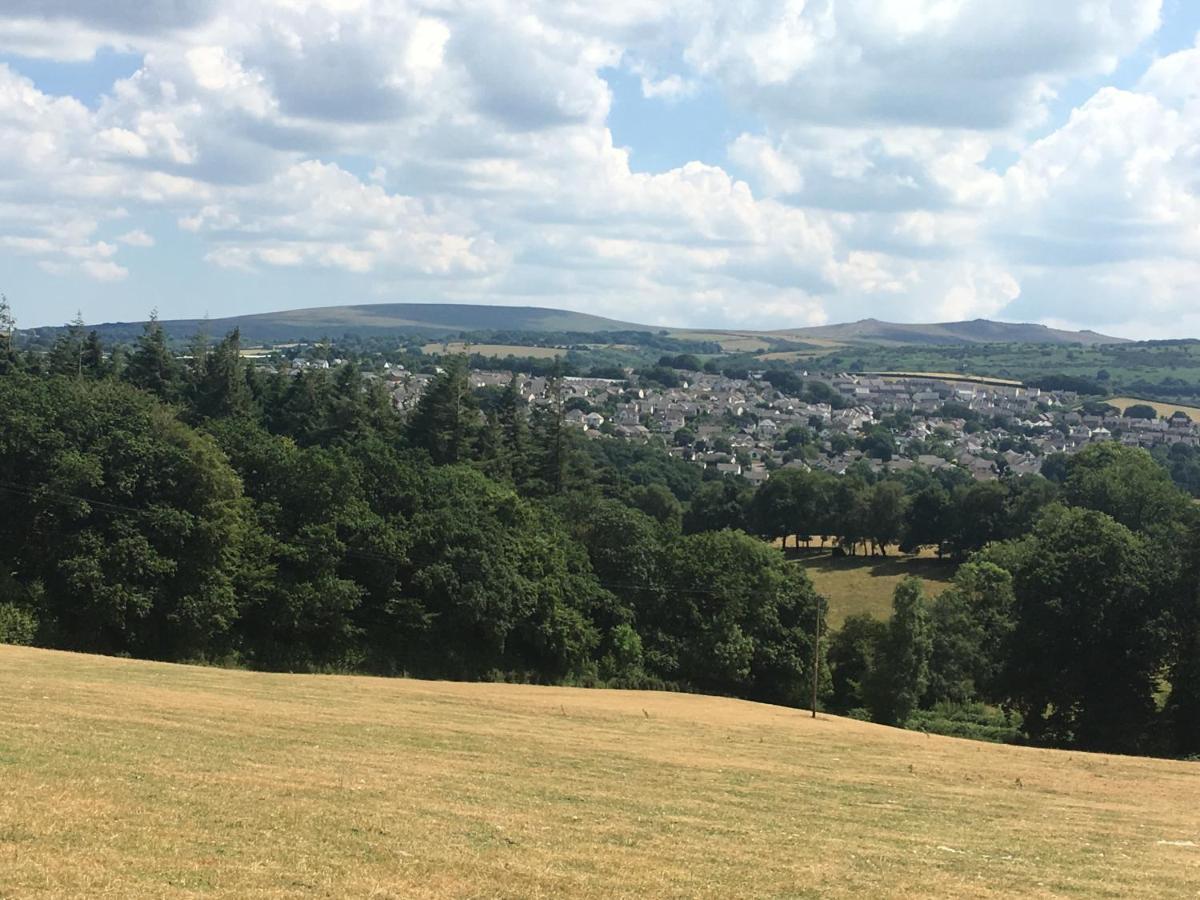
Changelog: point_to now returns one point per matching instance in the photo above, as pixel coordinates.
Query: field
(129, 779)
(498, 350)
(1164, 410)
(865, 584)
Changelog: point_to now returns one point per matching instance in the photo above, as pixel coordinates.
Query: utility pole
(816, 656)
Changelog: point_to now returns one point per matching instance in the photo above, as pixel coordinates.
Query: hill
(434, 320)
(134, 779)
(365, 320)
(977, 331)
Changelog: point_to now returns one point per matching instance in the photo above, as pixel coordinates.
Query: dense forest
(198, 509)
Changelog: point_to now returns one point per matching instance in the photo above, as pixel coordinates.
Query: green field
(497, 350)
(1164, 410)
(865, 584)
(130, 779)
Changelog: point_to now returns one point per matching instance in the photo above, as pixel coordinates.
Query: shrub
(17, 626)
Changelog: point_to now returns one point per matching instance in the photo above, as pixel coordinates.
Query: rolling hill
(977, 331)
(365, 320)
(121, 778)
(435, 320)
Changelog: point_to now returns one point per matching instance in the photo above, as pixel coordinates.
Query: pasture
(1164, 410)
(497, 350)
(865, 584)
(131, 779)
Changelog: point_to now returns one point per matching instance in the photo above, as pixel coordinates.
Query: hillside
(435, 320)
(365, 320)
(133, 779)
(977, 331)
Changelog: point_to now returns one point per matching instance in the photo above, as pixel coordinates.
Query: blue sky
(690, 162)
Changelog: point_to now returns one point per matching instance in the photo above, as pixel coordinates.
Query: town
(752, 426)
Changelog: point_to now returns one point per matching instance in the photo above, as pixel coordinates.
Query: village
(749, 427)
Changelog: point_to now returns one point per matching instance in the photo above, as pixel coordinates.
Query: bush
(975, 721)
(17, 626)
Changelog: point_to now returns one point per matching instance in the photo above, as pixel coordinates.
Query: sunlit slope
(132, 779)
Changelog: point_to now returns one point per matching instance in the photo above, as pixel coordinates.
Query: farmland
(865, 584)
(497, 350)
(1164, 410)
(135, 779)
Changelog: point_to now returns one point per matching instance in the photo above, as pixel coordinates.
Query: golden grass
(1164, 410)
(135, 780)
(865, 584)
(730, 341)
(498, 350)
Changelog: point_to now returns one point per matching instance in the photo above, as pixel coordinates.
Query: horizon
(700, 328)
(681, 164)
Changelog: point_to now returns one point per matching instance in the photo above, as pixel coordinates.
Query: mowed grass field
(865, 584)
(497, 350)
(129, 779)
(1164, 410)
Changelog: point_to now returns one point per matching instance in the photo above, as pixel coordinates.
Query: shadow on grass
(930, 569)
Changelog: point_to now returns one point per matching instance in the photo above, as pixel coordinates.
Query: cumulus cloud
(446, 149)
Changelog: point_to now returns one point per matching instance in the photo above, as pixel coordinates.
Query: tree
(1125, 483)
(901, 674)
(92, 363)
(514, 454)
(736, 618)
(8, 328)
(152, 366)
(970, 625)
(927, 519)
(446, 418)
(852, 658)
(659, 503)
(1090, 631)
(885, 514)
(716, 505)
(66, 356)
(1140, 411)
(220, 389)
(133, 523)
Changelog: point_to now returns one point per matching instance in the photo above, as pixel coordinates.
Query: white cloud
(446, 149)
(136, 238)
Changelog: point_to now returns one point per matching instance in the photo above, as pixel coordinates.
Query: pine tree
(221, 390)
(93, 364)
(446, 418)
(66, 356)
(512, 422)
(8, 328)
(152, 366)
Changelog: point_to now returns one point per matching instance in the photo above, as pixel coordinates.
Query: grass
(130, 779)
(1164, 410)
(865, 584)
(497, 350)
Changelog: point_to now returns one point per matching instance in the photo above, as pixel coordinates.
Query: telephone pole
(816, 673)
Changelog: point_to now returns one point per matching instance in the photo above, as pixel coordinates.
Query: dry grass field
(130, 779)
(865, 584)
(497, 350)
(1164, 410)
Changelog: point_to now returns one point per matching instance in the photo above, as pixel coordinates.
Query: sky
(707, 163)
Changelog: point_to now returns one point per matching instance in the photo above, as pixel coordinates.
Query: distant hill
(376, 319)
(976, 331)
(436, 320)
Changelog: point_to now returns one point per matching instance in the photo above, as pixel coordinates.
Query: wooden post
(816, 657)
